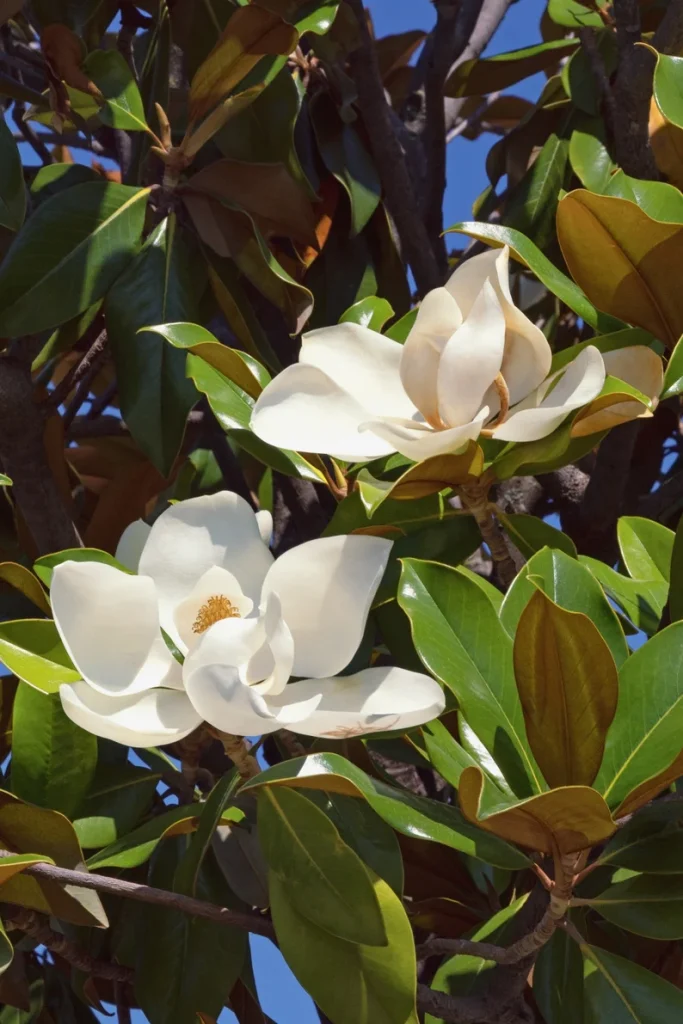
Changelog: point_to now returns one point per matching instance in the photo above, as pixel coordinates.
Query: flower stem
(475, 500)
(238, 752)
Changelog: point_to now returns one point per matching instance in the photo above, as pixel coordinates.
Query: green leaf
(676, 590)
(532, 203)
(558, 980)
(458, 636)
(673, 377)
(5, 480)
(530, 534)
(326, 882)
(645, 736)
(660, 854)
(450, 759)
(6, 950)
(352, 983)
(406, 813)
(574, 14)
(569, 584)
(463, 975)
(490, 74)
(642, 601)
(622, 992)
(531, 256)
(53, 760)
(45, 565)
(590, 158)
(119, 796)
(401, 329)
(604, 343)
(646, 548)
(659, 200)
(93, 230)
(241, 369)
(649, 905)
(345, 155)
(12, 188)
(111, 74)
(54, 178)
(186, 876)
(372, 312)
(668, 87)
(163, 284)
(33, 651)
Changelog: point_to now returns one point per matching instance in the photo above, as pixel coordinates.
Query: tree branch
(632, 94)
(36, 926)
(91, 360)
(147, 894)
(390, 160)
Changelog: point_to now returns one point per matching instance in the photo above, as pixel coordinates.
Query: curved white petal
(438, 317)
(141, 720)
(361, 362)
(305, 410)
(131, 543)
(581, 382)
(109, 623)
(270, 668)
(326, 587)
(374, 700)
(193, 536)
(471, 360)
(222, 699)
(639, 366)
(527, 358)
(419, 441)
(216, 583)
(264, 518)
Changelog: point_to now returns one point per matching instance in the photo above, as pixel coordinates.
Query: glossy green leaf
(530, 534)
(12, 187)
(667, 87)
(531, 206)
(71, 251)
(54, 178)
(238, 367)
(604, 343)
(649, 905)
(641, 601)
(673, 377)
(558, 980)
(463, 975)
(346, 157)
(571, 585)
(326, 882)
(646, 548)
(45, 565)
(458, 636)
(676, 590)
(412, 815)
(163, 284)
(5, 480)
(658, 199)
(353, 984)
(6, 950)
(489, 74)
(53, 760)
(450, 759)
(120, 796)
(401, 329)
(186, 877)
(574, 14)
(659, 854)
(33, 651)
(645, 736)
(590, 158)
(372, 312)
(531, 256)
(622, 992)
(123, 106)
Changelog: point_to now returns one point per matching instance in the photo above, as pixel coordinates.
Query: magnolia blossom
(472, 364)
(244, 622)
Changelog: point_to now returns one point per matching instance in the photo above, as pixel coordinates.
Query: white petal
(231, 642)
(109, 622)
(639, 366)
(133, 540)
(222, 699)
(305, 410)
(374, 700)
(264, 518)
(216, 582)
(438, 317)
(471, 360)
(195, 535)
(270, 668)
(527, 357)
(141, 720)
(581, 383)
(326, 587)
(419, 441)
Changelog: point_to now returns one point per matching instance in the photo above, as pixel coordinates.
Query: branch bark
(147, 894)
(390, 160)
(36, 926)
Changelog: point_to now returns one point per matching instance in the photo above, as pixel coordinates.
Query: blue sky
(281, 996)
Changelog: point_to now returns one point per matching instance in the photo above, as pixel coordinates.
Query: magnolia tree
(341, 599)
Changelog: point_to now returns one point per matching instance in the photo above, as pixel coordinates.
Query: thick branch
(147, 894)
(475, 500)
(37, 927)
(632, 94)
(390, 160)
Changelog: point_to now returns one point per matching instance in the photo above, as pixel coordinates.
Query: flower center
(214, 609)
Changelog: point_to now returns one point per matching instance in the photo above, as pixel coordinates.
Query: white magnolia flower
(245, 623)
(472, 364)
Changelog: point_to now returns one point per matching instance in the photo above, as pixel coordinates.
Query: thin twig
(122, 1008)
(77, 372)
(147, 894)
(36, 926)
(33, 139)
(390, 160)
